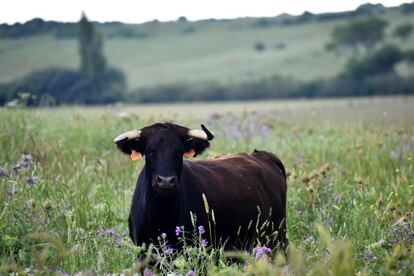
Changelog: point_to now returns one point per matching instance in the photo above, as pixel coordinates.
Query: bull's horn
(204, 134)
(133, 134)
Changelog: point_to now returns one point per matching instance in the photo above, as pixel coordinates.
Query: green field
(215, 51)
(350, 195)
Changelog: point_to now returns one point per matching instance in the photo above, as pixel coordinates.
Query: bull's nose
(165, 182)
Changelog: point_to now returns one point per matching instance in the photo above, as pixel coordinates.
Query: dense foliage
(65, 192)
(403, 31)
(359, 33)
(63, 86)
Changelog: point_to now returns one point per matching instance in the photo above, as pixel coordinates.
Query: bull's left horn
(133, 134)
(204, 134)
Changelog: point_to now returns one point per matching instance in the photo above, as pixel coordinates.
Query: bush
(369, 9)
(259, 46)
(403, 31)
(58, 86)
(365, 32)
(182, 19)
(382, 61)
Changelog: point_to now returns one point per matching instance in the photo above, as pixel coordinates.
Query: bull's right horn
(133, 134)
(204, 134)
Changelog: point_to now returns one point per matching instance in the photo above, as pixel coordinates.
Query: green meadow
(65, 190)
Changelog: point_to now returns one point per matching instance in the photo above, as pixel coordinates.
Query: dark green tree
(403, 31)
(93, 63)
(382, 61)
(359, 33)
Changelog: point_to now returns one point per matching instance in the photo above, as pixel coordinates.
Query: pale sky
(138, 11)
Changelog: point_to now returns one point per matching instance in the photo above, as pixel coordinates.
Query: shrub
(369, 9)
(58, 86)
(403, 31)
(381, 62)
(259, 46)
(365, 32)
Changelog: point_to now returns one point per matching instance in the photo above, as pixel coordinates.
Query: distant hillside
(219, 51)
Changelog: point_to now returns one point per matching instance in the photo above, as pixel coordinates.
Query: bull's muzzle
(164, 182)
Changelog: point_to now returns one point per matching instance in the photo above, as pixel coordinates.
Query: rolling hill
(220, 51)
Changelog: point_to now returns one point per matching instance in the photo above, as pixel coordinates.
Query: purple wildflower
(32, 180)
(169, 251)
(369, 255)
(204, 243)
(201, 230)
(25, 161)
(111, 233)
(163, 236)
(60, 272)
(101, 232)
(402, 231)
(262, 251)
(264, 130)
(148, 272)
(177, 230)
(330, 221)
(310, 239)
(235, 132)
(190, 273)
(405, 225)
(337, 198)
(4, 173)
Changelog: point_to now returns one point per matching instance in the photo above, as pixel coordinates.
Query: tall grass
(64, 204)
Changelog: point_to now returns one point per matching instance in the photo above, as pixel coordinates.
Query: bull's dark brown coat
(240, 188)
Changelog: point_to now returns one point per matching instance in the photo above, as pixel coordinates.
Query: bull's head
(164, 146)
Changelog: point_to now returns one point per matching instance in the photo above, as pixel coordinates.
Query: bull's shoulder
(239, 160)
(225, 160)
(270, 158)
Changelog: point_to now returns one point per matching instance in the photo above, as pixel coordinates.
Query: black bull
(246, 192)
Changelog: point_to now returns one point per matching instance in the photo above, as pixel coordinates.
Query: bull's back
(236, 186)
(233, 174)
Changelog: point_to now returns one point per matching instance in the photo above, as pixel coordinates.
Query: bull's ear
(195, 146)
(134, 148)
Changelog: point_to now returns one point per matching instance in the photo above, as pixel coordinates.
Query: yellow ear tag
(135, 155)
(189, 154)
